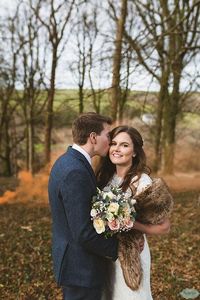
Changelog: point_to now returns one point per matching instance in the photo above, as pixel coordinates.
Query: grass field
(25, 259)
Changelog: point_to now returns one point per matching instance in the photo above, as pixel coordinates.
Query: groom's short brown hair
(86, 123)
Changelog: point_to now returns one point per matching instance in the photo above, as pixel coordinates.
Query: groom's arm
(76, 194)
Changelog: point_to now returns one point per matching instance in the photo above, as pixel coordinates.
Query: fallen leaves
(179, 266)
(26, 264)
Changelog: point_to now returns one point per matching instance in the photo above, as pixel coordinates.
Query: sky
(7, 4)
(139, 80)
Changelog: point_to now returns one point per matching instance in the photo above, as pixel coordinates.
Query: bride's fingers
(141, 244)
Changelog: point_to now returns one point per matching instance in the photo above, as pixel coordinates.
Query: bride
(125, 167)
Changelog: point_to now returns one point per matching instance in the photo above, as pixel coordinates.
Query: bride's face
(121, 150)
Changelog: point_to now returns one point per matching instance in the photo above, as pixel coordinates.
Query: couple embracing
(81, 257)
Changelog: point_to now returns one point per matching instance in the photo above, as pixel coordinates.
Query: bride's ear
(93, 137)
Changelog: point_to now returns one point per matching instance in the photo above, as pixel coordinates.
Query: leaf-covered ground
(25, 259)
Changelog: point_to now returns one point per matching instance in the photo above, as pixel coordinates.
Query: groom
(80, 255)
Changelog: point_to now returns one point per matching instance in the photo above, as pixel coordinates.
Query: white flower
(99, 225)
(133, 201)
(110, 195)
(109, 216)
(127, 211)
(118, 197)
(93, 212)
(113, 208)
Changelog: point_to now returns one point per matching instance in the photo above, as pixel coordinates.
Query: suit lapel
(90, 170)
(81, 157)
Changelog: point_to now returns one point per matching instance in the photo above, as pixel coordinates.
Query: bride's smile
(121, 150)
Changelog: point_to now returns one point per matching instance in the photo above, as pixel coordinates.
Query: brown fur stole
(153, 205)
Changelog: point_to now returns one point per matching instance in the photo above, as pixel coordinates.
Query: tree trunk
(8, 170)
(171, 113)
(14, 149)
(81, 99)
(125, 92)
(162, 98)
(95, 98)
(172, 105)
(115, 89)
(31, 147)
(49, 113)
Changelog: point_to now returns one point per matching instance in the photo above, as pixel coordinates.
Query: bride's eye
(112, 143)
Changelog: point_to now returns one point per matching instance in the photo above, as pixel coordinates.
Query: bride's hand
(141, 243)
(150, 229)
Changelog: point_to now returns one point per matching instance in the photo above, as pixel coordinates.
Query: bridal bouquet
(112, 211)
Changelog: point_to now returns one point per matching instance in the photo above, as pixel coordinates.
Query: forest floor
(25, 247)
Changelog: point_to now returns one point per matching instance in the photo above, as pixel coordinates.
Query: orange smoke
(7, 196)
(31, 188)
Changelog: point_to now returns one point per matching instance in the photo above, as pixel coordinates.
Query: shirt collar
(82, 151)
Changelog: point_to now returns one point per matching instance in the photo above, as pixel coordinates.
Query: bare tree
(117, 58)
(54, 16)
(85, 32)
(93, 31)
(8, 78)
(32, 68)
(125, 80)
(167, 41)
(79, 66)
(184, 43)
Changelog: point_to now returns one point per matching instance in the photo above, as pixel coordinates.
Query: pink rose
(128, 223)
(114, 225)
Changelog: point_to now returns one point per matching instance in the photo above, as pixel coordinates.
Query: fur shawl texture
(153, 205)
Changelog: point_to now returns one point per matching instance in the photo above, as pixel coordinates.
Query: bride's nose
(116, 148)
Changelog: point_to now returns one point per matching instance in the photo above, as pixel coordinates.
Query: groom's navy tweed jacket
(79, 253)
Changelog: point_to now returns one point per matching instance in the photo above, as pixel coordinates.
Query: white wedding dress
(116, 288)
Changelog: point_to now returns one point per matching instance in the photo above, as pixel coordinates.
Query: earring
(134, 155)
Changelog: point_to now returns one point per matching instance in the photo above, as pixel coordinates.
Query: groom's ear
(93, 137)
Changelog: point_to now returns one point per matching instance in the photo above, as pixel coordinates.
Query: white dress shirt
(82, 151)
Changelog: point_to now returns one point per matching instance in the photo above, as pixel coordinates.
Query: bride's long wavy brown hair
(107, 169)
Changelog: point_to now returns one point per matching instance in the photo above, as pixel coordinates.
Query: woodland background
(59, 58)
